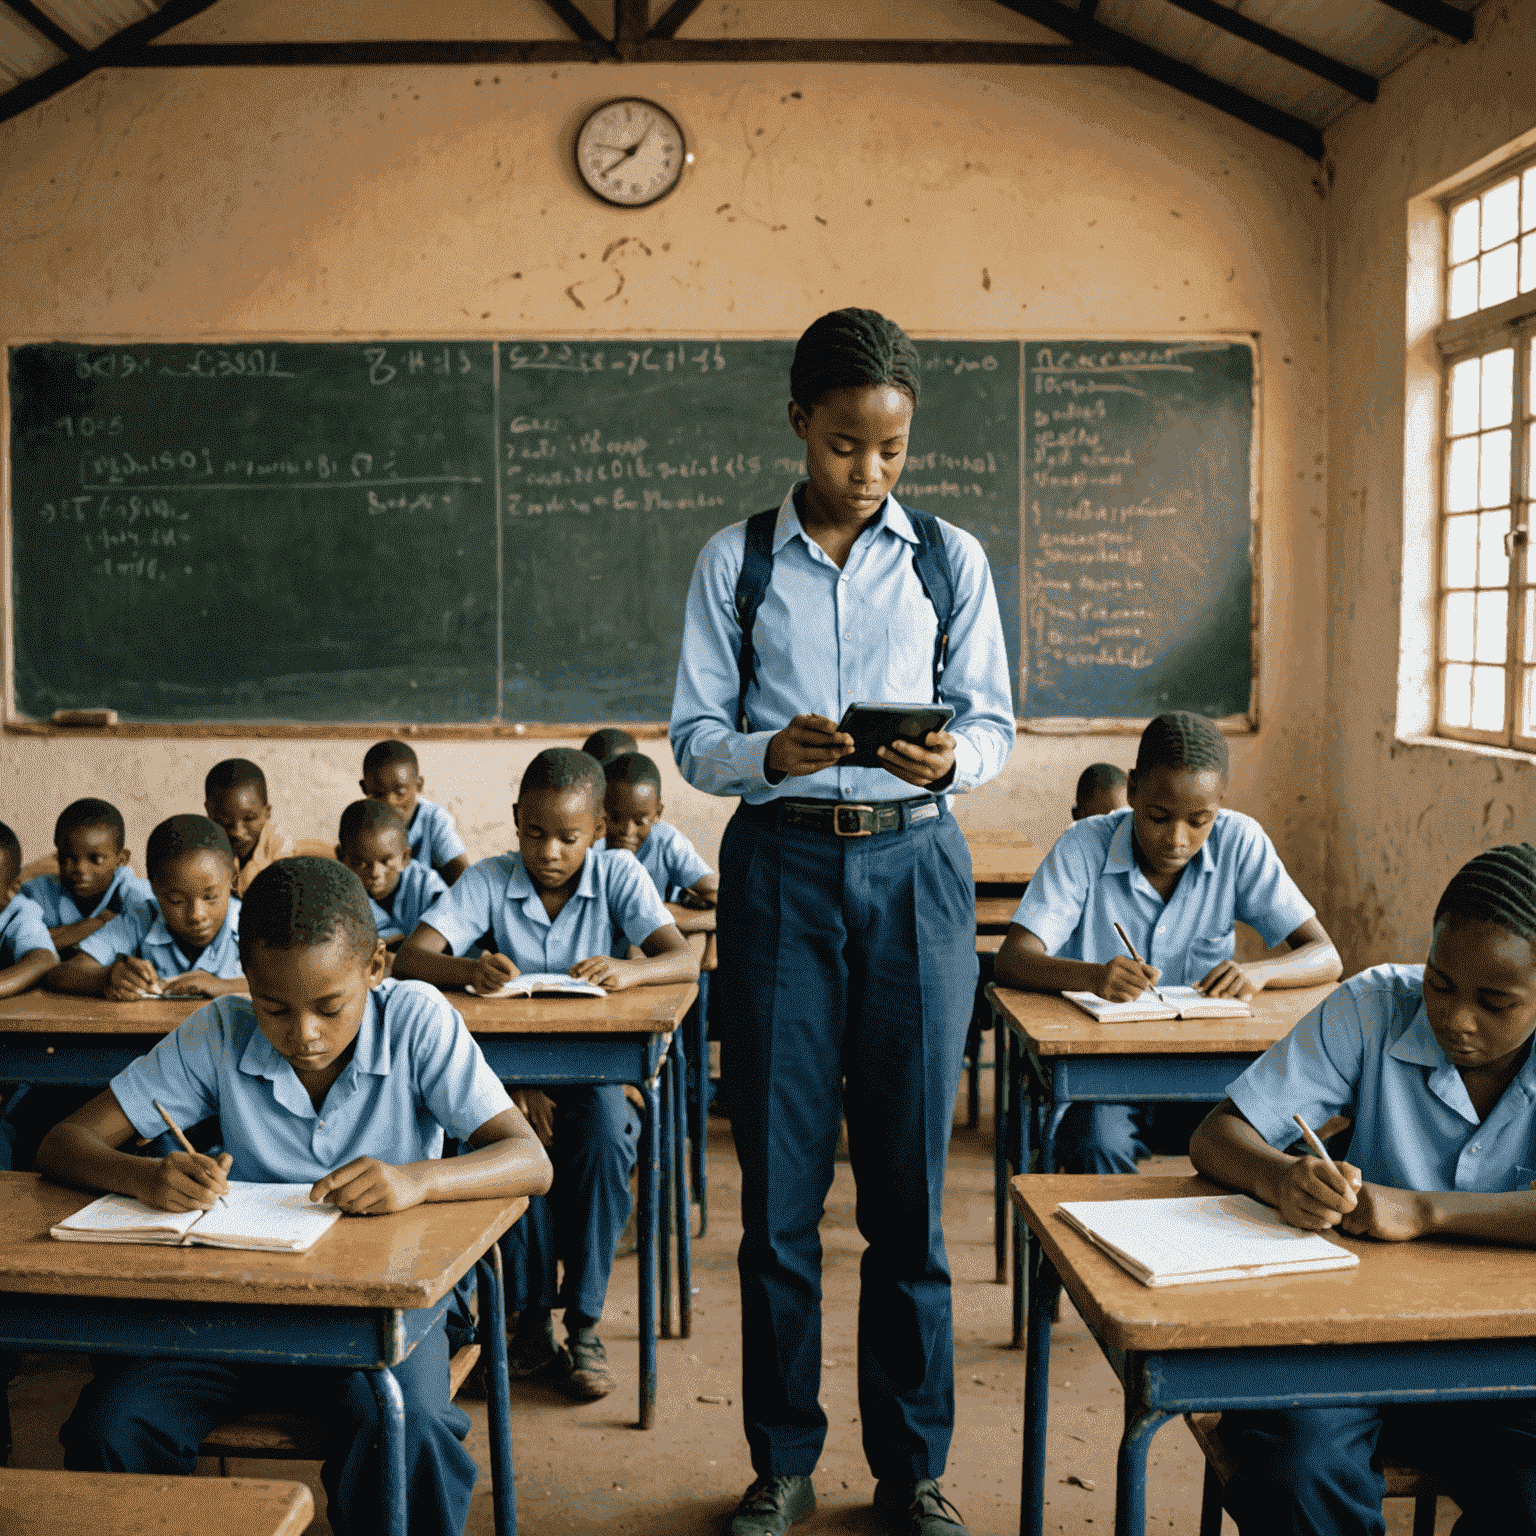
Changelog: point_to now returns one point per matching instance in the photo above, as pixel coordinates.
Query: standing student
(392, 774)
(1176, 870)
(847, 913)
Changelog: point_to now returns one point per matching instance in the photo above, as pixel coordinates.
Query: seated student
(374, 846)
(183, 941)
(26, 952)
(1175, 870)
(327, 1075)
(1433, 1065)
(557, 905)
(392, 775)
(94, 883)
(1100, 790)
(609, 743)
(235, 794)
(632, 814)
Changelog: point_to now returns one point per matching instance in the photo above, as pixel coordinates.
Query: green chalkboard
(1138, 528)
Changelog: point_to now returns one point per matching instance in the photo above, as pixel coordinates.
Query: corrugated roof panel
(92, 22)
(23, 51)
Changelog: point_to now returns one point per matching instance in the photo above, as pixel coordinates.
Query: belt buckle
(859, 829)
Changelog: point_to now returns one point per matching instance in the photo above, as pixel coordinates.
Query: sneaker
(771, 1505)
(531, 1346)
(918, 1508)
(587, 1375)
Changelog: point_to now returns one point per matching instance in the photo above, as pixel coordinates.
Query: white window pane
(1463, 299)
(1493, 481)
(1458, 566)
(1528, 264)
(1465, 396)
(1501, 213)
(1456, 697)
(1498, 280)
(1528, 626)
(1487, 698)
(1461, 475)
(1456, 637)
(1498, 387)
(1528, 201)
(1492, 562)
(1492, 630)
(1464, 222)
(1528, 702)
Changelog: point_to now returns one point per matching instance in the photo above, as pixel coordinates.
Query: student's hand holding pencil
(1317, 1193)
(1123, 980)
(492, 973)
(130, 979)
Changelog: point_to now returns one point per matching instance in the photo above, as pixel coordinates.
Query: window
(1487, 580)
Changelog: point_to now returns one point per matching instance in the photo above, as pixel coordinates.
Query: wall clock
(630, 152)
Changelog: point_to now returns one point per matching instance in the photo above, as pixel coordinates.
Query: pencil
(1314, 1143)
(186, 1146)
(1125, 939)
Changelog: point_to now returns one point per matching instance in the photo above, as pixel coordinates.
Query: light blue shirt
(414, 1074)
(615, 905)
(1090, 881)
(433, 836)
(419, 887)
(59, 909)
(826, 638)
(672, 862)
(1367, 1051)
(142, 931)
(22, 930)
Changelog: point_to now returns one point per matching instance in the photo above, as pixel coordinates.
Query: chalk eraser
(97, 717)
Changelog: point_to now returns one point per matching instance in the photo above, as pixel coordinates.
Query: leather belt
(835, 819)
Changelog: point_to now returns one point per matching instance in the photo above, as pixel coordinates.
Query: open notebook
(1160, 1003)
(274, 1218)
(543, 982)
(1203, 1237)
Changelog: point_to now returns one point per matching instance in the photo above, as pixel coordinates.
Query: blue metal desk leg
(668, 1158)
(1037, 1381)
(1000, 1088)
(684, 1225)
(1131, 1468)
(498, 1404)
(1020, 1134)
(699, 1066)
(391, 1401)
(650, 1156)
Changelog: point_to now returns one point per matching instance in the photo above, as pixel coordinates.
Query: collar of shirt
(1417, 1045)
(522, 892)
(1120, 859)
(70, 910)
(161, 937)
(371, 1056)
(893, 519)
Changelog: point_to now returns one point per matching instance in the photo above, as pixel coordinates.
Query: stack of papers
(531, 982)
(270, 1218)
(1161, 1003)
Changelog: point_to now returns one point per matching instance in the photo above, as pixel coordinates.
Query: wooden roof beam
(673, 17)
(38, 19)
(1437, 14)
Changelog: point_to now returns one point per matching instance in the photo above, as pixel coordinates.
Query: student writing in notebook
(1433, 1065)
(1176, 870)
(235, 796)
(392, 775)
(330, 1075)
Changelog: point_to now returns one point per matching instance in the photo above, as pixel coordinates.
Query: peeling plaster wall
(1405, 816)
(417, 201)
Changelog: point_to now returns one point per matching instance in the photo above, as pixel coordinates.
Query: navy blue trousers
(150, 1415)
(1108, 1138)
(845, 961)
(1309, 1472)
(577, 1225)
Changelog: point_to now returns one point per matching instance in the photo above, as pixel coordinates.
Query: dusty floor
(588, 1469)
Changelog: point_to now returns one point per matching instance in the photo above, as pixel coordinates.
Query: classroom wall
(1067, 202)
(1406, 813)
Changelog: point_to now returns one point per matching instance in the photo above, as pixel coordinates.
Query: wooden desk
(1415, 1322)
(361, 1298)
(1001, 858)
(129, 1504)
(994, 914)
(1062, 1056)
(691, 922)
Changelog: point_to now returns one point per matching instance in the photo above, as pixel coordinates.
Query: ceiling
(1288, 67)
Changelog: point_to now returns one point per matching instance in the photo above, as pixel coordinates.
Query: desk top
(1002, 858)
(405, 1260)
(1055, 1027)
(1417, 1292)
(129, 1504)
(36, 1010)
(994, 914)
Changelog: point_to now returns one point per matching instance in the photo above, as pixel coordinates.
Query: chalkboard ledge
(1231, 725)
(649, 730)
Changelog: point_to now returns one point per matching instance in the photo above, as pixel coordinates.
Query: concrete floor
(586, 1468)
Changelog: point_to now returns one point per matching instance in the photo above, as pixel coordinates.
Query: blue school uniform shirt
(59, 909)
(433, 836)
(826, 638)
(142, 931)
(415, 1073)
(667, 856)
(22, 930)
(419, 887)
(1090, 881)
(614, 905)
(1367, 1051)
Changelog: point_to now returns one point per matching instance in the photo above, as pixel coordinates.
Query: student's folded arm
(454, 868)
(707, 889)
(27, 972)
(424, 956)
(1397, 1214)
(67, 934)
(82, 976)
(667, 958)
(1312, 962)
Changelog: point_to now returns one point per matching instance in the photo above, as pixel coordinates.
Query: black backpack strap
(931, 561)
(751, 589)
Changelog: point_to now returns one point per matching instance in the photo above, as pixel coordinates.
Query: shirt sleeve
(443, 835)
(711, 752)
(1054, 900)
(634, 903)
(44, 890)
(453, 1078)
(181, 1071)
(463, 913)
(1267, 898)
(122, 936)
(28, 932)
(976, 677)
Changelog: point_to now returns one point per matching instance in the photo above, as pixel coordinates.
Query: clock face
(630, 152)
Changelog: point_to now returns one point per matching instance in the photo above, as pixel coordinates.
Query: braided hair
(301, 903)
(852, 349)
(178, 836)
(1498, 886)
(1182, 740)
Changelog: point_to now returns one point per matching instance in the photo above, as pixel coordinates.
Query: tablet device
(877, 725)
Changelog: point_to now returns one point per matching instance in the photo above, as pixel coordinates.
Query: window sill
(1467, 748)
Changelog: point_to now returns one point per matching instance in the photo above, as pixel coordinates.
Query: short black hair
(1182, 740)
(367, 815)
(852, 349)
(633, 768)
(385, 754)
(608, 743)
(89, 813)
(1498, 886)
(178, 836)
(300, 903)
(10, 848)
(563, 769)
(234, 773)
(1098, 778)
